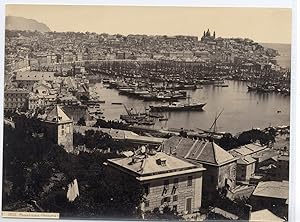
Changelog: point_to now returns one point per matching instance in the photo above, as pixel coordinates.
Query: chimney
(247, 212)
(161, 161)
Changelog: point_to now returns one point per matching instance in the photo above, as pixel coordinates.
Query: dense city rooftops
(34, 76)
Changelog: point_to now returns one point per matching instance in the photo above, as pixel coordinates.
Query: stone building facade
(180, 193)
(15, 99)
(220, 166)
(59, 128)
(29, 78)
(168, 181)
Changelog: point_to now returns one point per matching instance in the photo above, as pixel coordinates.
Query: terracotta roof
(202, 151)
(272, 189)
(148, 165)
(123, 135)
(57, 115)
(248, 149)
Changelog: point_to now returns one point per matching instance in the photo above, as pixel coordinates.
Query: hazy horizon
(263, 25)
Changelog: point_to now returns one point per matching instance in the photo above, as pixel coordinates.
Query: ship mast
(214, 124)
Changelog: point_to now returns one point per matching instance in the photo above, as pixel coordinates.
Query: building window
(147, 203)
(175, 182)
(188, 205)
(166, 187)
(174, 208)
(175, 198)
(166, 184)
(62, 132)
(166, 200)
(190, 180)
(147, 188)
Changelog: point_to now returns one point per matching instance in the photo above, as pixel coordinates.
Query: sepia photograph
(146, 112)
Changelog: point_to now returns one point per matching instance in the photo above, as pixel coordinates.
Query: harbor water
(284, 58)
(242, 110)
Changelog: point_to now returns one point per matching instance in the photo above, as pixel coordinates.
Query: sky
(265, 25)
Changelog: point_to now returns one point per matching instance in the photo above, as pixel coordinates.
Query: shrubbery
(35, 169)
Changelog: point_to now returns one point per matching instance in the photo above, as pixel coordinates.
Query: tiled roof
(16, 90)
(246, 160)
(265, 155)
(57, 115)
(202, 151)
(42, 83)
(145, 165)
(248, 149)
(255, 147)
(35, 76)
(272, 189)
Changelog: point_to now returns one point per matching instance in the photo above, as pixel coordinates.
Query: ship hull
(198, 107)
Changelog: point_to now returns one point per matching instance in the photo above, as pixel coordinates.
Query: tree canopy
(38, 171)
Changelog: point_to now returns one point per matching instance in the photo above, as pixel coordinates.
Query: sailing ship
(136, 118)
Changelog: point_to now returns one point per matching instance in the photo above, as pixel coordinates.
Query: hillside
(20, 23)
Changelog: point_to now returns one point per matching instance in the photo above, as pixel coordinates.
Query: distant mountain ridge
(24, 24)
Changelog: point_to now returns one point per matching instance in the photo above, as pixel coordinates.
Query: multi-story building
(40, 96)
(167, 180)
(245, 168)
(15, 99)
(250, 158)
(28, 78)
(41, 88)
(37, 101)
(220, 165)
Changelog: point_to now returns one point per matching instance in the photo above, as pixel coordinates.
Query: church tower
(208, 33)
(60, 128)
